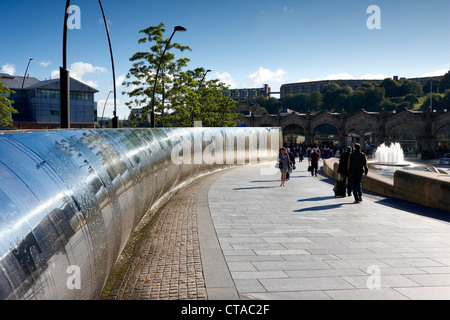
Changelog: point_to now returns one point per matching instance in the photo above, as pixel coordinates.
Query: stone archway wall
(406, 117)
(379, 123)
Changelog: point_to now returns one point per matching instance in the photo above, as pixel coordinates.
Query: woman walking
(285, 165)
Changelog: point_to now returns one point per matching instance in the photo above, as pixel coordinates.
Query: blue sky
(245, 43)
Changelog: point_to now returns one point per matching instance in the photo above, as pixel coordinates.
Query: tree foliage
(6, 109)
(182, 96)
(389, 95)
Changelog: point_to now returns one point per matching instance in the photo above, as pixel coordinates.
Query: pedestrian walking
(357, 168)
(343, 169)
(284, 165)
(292, 163)
(314, 157)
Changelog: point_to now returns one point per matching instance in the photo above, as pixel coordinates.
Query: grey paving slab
(300, 242)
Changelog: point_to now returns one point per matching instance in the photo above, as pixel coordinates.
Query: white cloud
(224, 77)
(435, 73)
(8, 68)
(120, 80)
(263, 76)
(78, 70)
(122, 110)
(45, 63)
(378, 76)
(288, 9)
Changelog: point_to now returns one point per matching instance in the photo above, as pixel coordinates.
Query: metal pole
(103, 120)
(21, 92)
(64, 78)
(152, 115)
(115, 121)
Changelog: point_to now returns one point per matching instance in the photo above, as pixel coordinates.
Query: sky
(246, 43)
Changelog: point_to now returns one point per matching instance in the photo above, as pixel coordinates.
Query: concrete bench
(444, 160)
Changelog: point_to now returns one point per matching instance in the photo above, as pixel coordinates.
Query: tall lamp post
(64, 78)
(64, 74)
(115, 121)
(198, 90)
(152, 115)
(21, 92)
(103, 113)
(204, 76)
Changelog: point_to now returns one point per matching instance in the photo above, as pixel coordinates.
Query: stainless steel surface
(69, 200)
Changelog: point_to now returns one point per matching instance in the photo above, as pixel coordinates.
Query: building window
(50, 94)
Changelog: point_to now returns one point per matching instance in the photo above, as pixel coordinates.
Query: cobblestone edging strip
(163, 261)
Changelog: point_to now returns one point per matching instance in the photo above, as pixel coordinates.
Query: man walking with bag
(343, 169)
(357, 167)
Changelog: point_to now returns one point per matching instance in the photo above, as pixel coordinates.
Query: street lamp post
(115, 122)
(64, 75)
(64, 78)
(21, 92)
(152, 115)
(198, 90)
(103, 113)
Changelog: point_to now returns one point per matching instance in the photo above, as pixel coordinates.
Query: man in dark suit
(343, 169)
(357, 167)
(292, 161)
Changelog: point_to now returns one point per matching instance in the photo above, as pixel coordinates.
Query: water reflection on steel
(69, 200)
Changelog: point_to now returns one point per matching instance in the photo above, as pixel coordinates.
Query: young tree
(141, 77)
(203, 101)
(6, 109)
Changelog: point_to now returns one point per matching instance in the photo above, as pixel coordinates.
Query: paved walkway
(260, 241)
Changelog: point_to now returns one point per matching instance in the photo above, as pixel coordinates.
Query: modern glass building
(38, 104)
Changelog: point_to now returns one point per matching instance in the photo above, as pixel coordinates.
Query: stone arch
(294, 134)
(443, 141)
(265, 121)
(405, 117)
(325, 118)
(293, 119)
(360, 123)
(407, 128)
(440, 121)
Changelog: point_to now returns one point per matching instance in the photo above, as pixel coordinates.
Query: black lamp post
(64, 75)
(103, 113)
(201, 82)
(21, 92)
(115, 122)
(152, 115)
(64, 78)
(198, 90)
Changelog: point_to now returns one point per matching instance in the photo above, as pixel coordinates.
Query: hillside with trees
(390, 95)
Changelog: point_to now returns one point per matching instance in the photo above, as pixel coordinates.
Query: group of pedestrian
(352, 167)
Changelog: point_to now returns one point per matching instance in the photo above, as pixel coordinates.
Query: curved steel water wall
(69, 200)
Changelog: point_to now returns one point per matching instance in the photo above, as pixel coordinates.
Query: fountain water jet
(390, 155)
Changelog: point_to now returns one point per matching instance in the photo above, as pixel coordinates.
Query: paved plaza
(258, 240)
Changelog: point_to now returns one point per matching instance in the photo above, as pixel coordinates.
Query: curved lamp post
(103, 120)
(65, 76)
(201, 82)
(152, 116)
(198, 90)
(115, 122)
(21, 92)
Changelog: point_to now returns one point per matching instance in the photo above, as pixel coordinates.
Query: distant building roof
(15, 82)
(53, 84)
